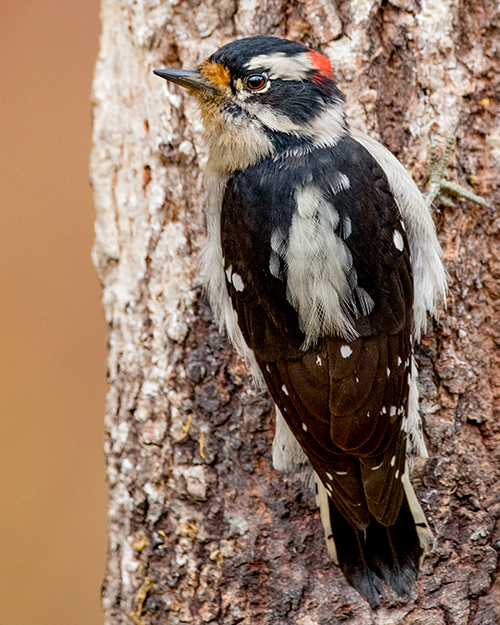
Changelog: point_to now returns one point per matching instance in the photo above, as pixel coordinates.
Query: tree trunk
(202, 529)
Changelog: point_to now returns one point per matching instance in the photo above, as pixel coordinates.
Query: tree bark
(202, 529)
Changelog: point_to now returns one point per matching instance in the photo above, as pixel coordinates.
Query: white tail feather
(324, 508)
(425, 536)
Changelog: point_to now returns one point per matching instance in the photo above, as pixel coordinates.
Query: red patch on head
(323, 65)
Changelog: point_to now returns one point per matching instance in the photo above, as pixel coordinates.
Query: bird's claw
(439, 188)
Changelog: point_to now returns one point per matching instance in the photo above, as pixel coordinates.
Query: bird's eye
(256, 82)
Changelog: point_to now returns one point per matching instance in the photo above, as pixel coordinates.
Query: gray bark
(201, 528)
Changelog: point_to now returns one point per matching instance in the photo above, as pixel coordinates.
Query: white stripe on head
(280, 65)
(324, 130)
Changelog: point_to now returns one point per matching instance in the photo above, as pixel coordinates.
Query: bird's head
(263, 96)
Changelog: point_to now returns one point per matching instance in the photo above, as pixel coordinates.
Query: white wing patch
(321, 281)
(318, 262)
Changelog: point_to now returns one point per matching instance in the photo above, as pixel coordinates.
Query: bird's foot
(439, 188)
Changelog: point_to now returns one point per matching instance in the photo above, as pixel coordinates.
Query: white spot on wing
(237, 282)
(378, 466)
(396, 474)
(398, 240)
(341, 472)
(329, 476)
(392, 411)
(228, 272)
(429, 276)
(388, 372)
(211, 262)
(304, 426)
(399, 361)
(345, 351)
(318, 360)
(284, 389)
(393, 461)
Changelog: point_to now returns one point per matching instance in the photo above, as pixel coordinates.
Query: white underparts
(412, 423)
(235, 141)
(214, 276)
(287, 453)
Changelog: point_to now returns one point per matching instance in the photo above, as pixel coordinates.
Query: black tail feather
(379, 554)
(394, 552)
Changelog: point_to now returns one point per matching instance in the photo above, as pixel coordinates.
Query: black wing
(344, 398)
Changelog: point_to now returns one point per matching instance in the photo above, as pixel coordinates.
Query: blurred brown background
(52, 331)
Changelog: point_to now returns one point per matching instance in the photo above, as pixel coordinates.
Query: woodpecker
(321, 264)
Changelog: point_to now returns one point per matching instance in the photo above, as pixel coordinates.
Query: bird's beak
(189, 78)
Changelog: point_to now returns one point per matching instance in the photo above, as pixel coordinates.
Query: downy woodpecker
(322, 263)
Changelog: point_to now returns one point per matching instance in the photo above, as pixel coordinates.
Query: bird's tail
(378, 554)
